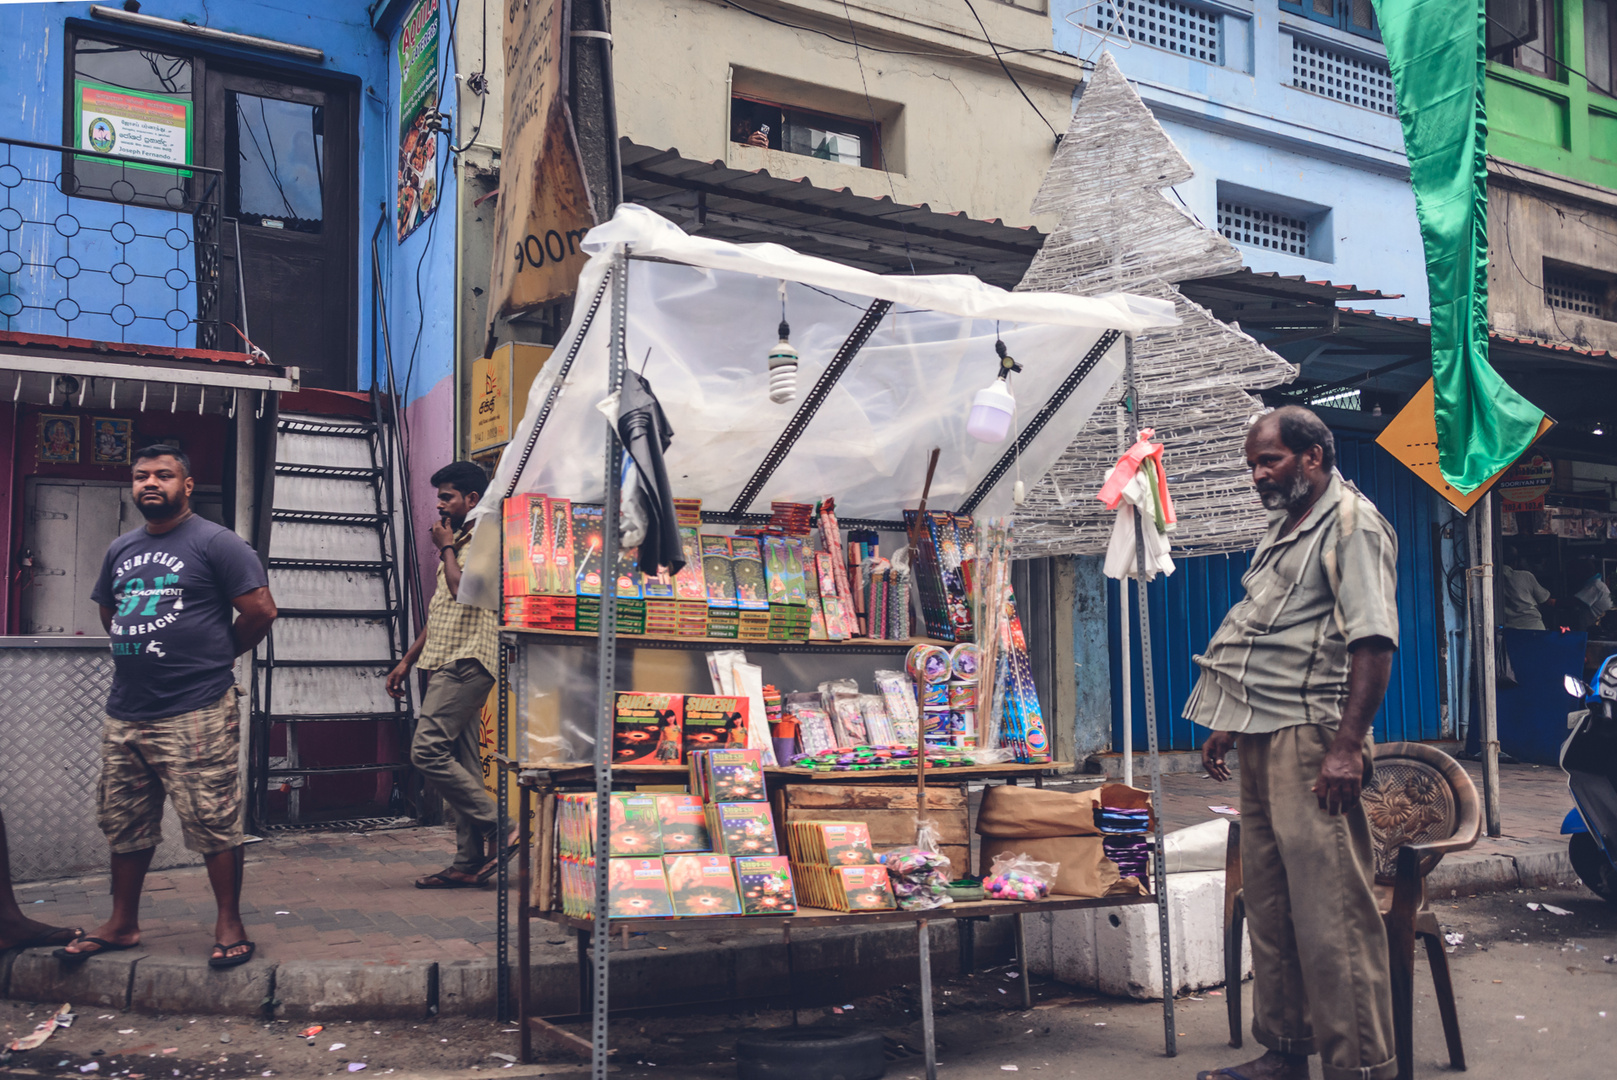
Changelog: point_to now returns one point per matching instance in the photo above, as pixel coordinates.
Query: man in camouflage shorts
(167, 593)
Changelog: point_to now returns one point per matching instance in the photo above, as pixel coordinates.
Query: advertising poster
(156, 127)
(544, 208)
(1526, 483)
(418, 96)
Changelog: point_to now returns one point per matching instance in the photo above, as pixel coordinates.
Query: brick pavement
(328, 896)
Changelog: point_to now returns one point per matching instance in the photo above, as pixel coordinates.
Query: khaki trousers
(446, 751)
(1319, 947)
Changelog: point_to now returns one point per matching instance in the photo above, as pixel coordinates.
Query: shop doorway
(288, 155)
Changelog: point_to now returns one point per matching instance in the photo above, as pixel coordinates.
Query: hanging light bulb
(991, 409)
(783, 360)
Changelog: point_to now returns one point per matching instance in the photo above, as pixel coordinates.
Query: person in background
(1592, 602)
(17, 931)
(1296, 673)
(1520, 595)
(460, 647)
(167, 592)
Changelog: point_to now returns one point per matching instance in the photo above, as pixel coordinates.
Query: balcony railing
(109, 248)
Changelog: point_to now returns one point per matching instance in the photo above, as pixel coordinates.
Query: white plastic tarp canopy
(701, 324)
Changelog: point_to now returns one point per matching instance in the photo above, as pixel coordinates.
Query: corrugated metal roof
(1247, 285)
(102, 350)
(877, 234)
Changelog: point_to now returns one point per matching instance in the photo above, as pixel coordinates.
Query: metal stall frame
(616, 280)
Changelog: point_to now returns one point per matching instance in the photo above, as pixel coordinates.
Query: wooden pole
(920, 726)
(1482, 512)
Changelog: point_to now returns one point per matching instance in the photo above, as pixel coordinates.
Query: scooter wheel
(1593, 870)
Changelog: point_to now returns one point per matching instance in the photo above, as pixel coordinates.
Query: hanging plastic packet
(919, 872)
(1015, 876)
(841, 697)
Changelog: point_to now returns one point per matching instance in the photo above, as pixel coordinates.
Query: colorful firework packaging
(684, 824)
(647, 728)
(745, 828)
(714, 722)
(898, 696)
(702, 885)
(637, 889)
(766, 885)
(1019, 877)
(918, 876)
(727, 776)
(814, 730)
(1123, 838)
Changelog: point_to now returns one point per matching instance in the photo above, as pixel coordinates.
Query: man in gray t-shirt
(170, 593)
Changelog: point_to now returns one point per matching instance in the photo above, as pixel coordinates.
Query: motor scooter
(1589, 759)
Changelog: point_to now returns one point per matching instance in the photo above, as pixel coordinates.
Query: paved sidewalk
(343, 933)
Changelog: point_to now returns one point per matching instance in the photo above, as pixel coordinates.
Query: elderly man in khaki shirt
(1296, 673)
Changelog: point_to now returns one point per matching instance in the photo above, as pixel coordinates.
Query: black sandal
(225, 960)
(441, 881)
(80, 956)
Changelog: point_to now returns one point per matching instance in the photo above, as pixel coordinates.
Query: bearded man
(167, 592)
(1296, 674)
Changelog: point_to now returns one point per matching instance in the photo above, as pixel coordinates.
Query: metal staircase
(329, 745)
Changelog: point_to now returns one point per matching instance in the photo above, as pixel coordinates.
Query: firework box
(747, 563)
(718, 571)
(522, 516)
(588, 572)
(742, 828)
(690, 583)
(646, 729)
(562, 563)
(730, 776)
(635, 828)
(627, 574)
(831, 843)
(577, 876)
(774, 549)
(860, 888)
(797, 553)
(766, 885)
(638, 889)
(684, 823)
(702, 885)
(714, 722)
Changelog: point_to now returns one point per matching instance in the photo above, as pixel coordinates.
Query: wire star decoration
(1099, 24)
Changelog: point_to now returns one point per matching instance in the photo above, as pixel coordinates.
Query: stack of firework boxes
(835, 866)
(711, 852)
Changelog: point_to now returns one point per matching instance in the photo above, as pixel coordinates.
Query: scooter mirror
(1576, 686)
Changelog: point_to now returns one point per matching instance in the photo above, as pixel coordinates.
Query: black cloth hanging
(646, 433)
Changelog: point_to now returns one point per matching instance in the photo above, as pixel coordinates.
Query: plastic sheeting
(701, 325)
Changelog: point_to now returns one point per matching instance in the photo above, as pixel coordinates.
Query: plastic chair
(1422, 806)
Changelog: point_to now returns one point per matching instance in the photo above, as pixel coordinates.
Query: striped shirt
(1281, 655)
(457, 631)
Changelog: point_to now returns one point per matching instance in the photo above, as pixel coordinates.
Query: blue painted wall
(1240, 122)
(1187, 608)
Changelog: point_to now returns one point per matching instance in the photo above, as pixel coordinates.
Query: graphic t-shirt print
(170, 597)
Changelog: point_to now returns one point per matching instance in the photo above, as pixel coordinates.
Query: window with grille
(1164, 24)
(1246, 224)
(1354, 16)
(1352, 79)
(1574, 293)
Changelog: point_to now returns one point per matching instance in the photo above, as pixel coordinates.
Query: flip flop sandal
(439, 881)
(101, 946)
(228, 961)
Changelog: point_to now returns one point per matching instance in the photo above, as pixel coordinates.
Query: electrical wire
(1504, 218)
(1007, 71)
(1554, 61)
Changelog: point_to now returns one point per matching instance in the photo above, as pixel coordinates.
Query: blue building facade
(1286, 112)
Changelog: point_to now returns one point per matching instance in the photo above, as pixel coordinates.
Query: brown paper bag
(1082, 868)
(1034, 813)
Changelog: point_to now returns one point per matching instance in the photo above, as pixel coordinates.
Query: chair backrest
(1419, 795)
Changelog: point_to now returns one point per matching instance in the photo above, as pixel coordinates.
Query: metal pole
(1482, 512)
(1158, 863)
(924, 944)
(502, 899)
(1124, 631)
(606, 664)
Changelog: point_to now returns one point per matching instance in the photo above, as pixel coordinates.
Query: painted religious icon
(111, 440)
(58, 439)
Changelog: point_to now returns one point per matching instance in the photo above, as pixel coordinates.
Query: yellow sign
(499, 392)
(1411, 437)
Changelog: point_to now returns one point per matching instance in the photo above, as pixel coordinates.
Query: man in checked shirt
(460, 647)
(1296, 674)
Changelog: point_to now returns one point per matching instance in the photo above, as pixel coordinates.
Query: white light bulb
(782, 372)
(990, 419)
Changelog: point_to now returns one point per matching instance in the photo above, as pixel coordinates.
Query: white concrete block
(1115, 950)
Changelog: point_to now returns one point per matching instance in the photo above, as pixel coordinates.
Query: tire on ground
(810, 1054)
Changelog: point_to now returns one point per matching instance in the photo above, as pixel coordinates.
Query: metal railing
(110, 248)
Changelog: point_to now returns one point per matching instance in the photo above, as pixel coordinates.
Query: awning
(708, 198)
(42, 369)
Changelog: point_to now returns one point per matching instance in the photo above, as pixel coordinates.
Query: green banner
(1437, 51)
(418, 97)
